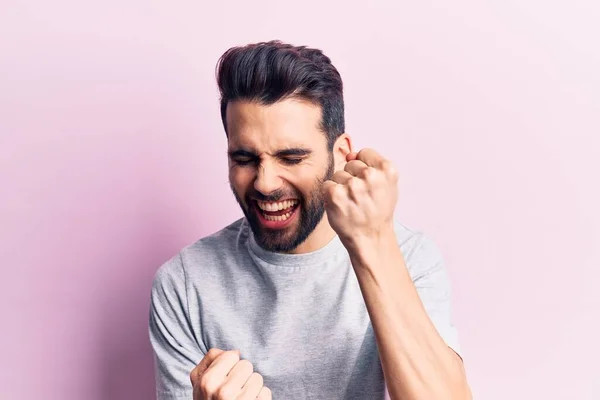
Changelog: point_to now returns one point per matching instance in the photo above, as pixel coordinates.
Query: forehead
(286, 123)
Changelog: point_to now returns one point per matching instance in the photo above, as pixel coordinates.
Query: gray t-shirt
(300, 319)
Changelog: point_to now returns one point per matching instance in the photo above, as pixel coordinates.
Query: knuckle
(194, 376)
(212, 351)
(354, 183)
(350, 165)
(387, 165)
(226, 392)
(368, 173)
(205, 381)
(328, 189)
(339, 175)
(246, 365)
(208, 384)
(233, 355)
(337, 194)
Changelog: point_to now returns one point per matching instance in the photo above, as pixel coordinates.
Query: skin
(416, 362)
(258, 138)
(358, 193)
(221, 375)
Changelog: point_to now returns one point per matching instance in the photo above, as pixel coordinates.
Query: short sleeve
(430, 277)
(176, 351)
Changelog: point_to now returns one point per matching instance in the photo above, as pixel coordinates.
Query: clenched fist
(360, 200)
(221, 375)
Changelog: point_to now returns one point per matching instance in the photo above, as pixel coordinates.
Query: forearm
(417, 363)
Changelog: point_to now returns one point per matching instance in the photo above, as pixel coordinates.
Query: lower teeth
(277, 217)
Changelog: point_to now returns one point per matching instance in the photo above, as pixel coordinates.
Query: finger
(341, 177)
(264, 394)
(205, 363)
(371, 158)
(253, 386)
(356, 168)
(333, 192)
(351, 156)
(224, 363)
(211, 356)
(327, 189)
(239, 374)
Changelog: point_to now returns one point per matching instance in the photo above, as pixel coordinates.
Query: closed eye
(292, 161)
(290, 156)
(244, 161)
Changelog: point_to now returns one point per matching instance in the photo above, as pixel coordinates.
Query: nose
(267, 179)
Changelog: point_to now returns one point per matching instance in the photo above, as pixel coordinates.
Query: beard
(312, 209)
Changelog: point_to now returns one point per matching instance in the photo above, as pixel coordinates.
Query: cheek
(303, 185)
(240, 180)
(304, 178)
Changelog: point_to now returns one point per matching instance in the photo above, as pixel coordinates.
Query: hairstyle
(268, 72)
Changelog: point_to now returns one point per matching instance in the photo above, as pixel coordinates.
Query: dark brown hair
(268, 72)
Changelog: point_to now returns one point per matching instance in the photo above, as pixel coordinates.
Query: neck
(320, 237)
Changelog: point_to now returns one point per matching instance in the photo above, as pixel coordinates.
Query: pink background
(112, 157)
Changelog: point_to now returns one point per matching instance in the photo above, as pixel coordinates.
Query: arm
(360, 200)
(176, 350)
(184, 369)
(408, 319)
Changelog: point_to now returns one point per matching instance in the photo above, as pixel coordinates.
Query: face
(278, 159)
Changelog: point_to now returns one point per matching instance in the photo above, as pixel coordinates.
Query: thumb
(205, 363)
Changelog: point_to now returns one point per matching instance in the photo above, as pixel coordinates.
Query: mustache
(271, 197)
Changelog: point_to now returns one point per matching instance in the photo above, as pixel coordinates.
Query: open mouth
(277, 211)
(276, 214)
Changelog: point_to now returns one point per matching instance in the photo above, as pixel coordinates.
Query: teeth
(276, 206)
(277, 218)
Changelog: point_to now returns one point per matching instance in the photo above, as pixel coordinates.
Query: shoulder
(420, 252)
(201, 255)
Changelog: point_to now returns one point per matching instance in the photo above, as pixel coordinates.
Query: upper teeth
(276, 206)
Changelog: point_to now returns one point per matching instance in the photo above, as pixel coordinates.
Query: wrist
(372, 248)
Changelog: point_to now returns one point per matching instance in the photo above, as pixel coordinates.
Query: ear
(341, 148)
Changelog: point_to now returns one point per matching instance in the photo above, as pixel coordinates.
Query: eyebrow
(292, 151)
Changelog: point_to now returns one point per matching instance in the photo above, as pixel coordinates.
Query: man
(317, 293)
